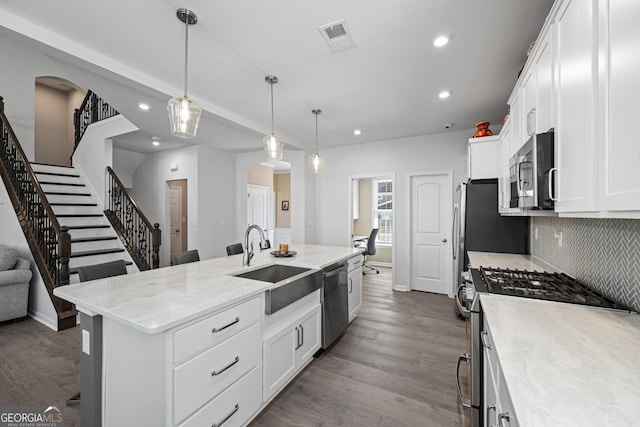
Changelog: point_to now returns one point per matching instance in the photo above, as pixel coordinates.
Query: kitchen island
(190, 344)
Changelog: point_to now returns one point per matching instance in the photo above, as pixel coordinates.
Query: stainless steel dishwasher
(335, 303)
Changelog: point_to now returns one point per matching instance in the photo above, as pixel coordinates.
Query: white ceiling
(387, 85)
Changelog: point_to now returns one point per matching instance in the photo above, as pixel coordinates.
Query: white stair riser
(82, 221)
(93, 246)
(63, 188)
(60, 179)
(65, 198)
(82, 210)
(53, 169)
(94, 259)
(91, 232)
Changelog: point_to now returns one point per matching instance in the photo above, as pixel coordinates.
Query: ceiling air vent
(337, 35)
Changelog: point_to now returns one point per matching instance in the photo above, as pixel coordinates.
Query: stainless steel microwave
(531, 173)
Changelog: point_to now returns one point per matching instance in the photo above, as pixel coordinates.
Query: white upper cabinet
(543, 118)
(483, 157)
(518, 133)
(620, 148)
(577, 125)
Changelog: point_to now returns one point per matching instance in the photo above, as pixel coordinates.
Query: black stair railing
(93, 109)
(141, 239)
(50, 243)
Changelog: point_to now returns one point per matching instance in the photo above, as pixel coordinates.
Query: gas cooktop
(545, 286)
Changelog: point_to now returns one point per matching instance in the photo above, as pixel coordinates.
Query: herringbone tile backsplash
(602, 253)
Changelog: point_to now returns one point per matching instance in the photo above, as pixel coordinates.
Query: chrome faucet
(248, 253)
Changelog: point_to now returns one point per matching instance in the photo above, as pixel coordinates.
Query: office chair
(94, 272)
(370, 250)
(185, 257)
(235, 249)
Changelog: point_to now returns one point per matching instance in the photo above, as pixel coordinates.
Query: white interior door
(430, 228)
(257, 211)
(175, 206)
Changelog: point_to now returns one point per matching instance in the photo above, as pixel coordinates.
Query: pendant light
(184, 114)
(273, 147)
(315, 161)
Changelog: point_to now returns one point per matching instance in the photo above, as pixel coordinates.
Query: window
(383, 210)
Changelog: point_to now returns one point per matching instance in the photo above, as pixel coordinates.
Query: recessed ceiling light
(357, 132)
(143, 106)
(444, 94)
(156, 143)
(441, 41)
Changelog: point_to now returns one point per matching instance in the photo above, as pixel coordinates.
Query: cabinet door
(355, 292)
(483, 157)
(620, 177)
(542, 119)
(308, 335)
(278, 359)
(517, 130)
(504, 194)
(577, 126)
(528, 94)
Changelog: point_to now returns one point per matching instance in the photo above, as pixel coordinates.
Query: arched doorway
(55, 102)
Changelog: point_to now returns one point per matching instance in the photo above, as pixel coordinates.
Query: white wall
(216, 202)
(125, 163)
(17, 86)
(398, 158)
(211, 196)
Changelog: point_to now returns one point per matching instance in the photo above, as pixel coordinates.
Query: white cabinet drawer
(354, 262)
(234, 406)
(214, 329)
(206, 375)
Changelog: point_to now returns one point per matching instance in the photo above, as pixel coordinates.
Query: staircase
(93, 240)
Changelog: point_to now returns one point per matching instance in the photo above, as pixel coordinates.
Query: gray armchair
(15, 274)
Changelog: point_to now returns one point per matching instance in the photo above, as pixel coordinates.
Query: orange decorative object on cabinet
(483, 130)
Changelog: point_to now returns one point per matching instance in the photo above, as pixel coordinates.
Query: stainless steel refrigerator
(479, 227)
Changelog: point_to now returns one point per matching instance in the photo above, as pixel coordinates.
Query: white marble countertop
(156, 300)
(567, 364)
(510, 261)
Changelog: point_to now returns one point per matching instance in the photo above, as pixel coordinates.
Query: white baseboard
(45, 320)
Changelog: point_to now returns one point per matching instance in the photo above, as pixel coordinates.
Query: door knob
(444, 240)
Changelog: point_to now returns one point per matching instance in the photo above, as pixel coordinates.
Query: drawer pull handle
(235, 409)
(236, 360)
(214, 330)
(301, 336)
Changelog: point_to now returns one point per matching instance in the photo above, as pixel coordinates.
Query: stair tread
(68, 175)
(85, 227)
(78, 215)
(95, 252)
(49, 164)
(63, 193)
(72, 204)
(69, 184)
(93, 239)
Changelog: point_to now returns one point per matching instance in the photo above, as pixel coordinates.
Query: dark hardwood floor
(394, 366)
(40, 367)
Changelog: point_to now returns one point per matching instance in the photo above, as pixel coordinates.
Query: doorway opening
(372, 206)
(55, 102)
(178, 227)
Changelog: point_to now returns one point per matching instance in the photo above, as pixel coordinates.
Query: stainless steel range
(557, 287)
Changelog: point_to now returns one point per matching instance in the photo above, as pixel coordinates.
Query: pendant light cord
(273, 127)
(316, 132)
(186, 53)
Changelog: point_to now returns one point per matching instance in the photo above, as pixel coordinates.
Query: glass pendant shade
(273, 147)
(316, 163)
(184, 116)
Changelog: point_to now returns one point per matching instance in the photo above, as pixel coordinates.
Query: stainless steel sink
(273, 273)
(292, 283)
